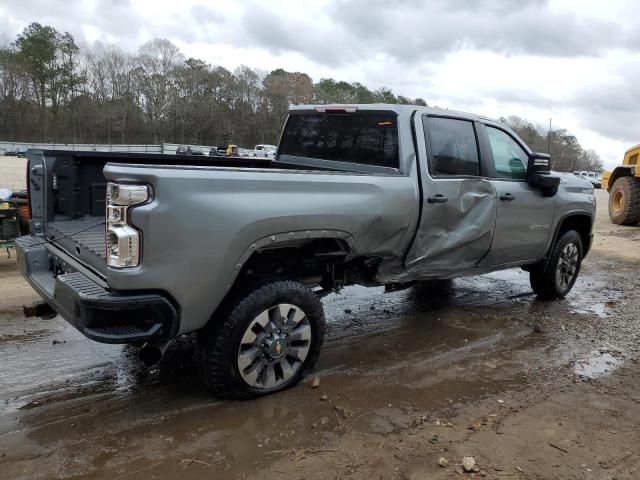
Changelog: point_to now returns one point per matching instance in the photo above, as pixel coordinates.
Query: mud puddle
(391, 360)
(595, 296)
(596, 364)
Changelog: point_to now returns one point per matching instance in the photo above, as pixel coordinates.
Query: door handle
(438, 199)
(507, 197)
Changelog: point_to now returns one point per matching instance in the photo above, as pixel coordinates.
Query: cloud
(203, 13)
(611, 108)
(116, 18)
(575, 61)
(315, 36)
(414, 30)
(59, 13)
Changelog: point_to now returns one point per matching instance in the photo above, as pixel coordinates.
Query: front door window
(509, 158)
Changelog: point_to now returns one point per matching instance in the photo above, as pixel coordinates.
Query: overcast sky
(575, 61)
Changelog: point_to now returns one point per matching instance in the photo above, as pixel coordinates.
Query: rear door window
(366, 138)
(454, 147)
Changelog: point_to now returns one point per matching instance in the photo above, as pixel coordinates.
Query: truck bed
(70, 211)
(92, 239)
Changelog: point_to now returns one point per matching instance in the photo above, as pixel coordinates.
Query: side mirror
(539, 174)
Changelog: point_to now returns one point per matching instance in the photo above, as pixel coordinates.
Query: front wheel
(562, 268)
(263, 341)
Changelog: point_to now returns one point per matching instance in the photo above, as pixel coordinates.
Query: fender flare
(556, 233)
(620, 171)
(284, 238)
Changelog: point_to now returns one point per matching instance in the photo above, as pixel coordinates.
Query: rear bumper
(85, 302)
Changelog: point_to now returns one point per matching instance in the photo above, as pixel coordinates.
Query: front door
(525, 216)
(459, 204)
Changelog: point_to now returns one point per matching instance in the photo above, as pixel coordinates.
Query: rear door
(525, 216)
(459, 202)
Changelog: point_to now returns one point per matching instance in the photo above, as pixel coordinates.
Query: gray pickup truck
(240, 250)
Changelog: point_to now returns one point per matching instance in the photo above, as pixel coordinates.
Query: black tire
(624, 201)
(544, 281)
(219, 344)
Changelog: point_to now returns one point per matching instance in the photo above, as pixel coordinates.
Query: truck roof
(399, 109)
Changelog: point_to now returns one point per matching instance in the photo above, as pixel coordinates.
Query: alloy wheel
(274, 346)
(567, 265)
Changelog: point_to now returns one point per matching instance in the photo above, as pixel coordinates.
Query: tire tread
(630, 214)
(216, 347)
(542, 278)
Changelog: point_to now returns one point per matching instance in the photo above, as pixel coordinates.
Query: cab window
(509, 157)
(454, 147)
(366, 138)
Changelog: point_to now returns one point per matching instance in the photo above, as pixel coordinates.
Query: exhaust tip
(150, 355)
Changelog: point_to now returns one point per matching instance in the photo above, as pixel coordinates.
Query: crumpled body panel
(203, 220)
(452, 236)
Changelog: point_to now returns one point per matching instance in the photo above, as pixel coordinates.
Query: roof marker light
(337, 109)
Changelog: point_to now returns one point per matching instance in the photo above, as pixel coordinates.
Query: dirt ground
(529, 389)
(12, 173)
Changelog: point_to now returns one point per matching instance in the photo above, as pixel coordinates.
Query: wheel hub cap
(617, 202)
(274, 346)
(567, 265)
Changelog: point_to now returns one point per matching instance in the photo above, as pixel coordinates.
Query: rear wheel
(263, 342)
(557, 278)
(624, 201)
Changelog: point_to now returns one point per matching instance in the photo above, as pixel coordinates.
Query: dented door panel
(456, 234)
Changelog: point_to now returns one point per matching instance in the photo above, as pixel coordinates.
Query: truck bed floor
(91, 239)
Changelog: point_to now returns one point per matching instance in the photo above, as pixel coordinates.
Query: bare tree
(157, 62)
(51, 89)
(591, 161)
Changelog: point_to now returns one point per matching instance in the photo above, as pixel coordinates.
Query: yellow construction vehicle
(623, 185)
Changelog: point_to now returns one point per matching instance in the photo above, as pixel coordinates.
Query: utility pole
(549, 138)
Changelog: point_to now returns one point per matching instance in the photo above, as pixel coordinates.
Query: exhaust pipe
(150, 354)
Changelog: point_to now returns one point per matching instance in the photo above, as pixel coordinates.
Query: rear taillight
(123, 241)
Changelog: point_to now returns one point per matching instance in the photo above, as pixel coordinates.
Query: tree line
(567, 153)
(52, 90)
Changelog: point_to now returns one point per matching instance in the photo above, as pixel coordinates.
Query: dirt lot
(12, 173)
(530, 389)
